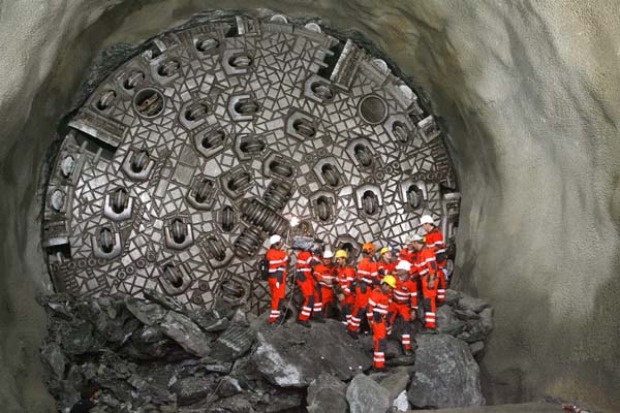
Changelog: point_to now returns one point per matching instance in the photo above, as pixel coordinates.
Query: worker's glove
(413, 314)
(340, 297)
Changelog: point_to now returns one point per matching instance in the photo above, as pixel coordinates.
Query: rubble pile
(154, 355)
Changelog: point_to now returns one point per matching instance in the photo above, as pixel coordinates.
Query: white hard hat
(274, 239)
(427, 219)
(328, 254)
(417, 238)
(408, 239)
(403, 265)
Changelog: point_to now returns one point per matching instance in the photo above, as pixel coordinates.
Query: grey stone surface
(476, 348)
(469, 303)
(527, 90)
(191, 390)
(394, 382)
(505, 408)
(77, 338)
(327, 393)
(228, 386)
(183, 330)
(367, 396)
(320, 349)
(148, 313)
(52, 355)
(234, 342)
(446, 374)
(401, 403)
(448, 322)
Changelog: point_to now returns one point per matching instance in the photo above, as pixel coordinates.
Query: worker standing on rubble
(385, 265)
(345, 279)
(277, 260)
(378, 305)
(434, 240)
(325, 274)
(306, 260)
(404, 303)
(426, 268)
(366, 273)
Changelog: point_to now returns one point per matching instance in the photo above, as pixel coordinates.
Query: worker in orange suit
(366, 273)
(404, 303)
(378, 305)
(345, 277)
(306, 260)
(385, 265)
(325, 274)
(408, 253)
(277, 263)
(434, 240)
(426, 268)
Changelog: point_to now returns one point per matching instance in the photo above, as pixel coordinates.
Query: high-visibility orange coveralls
(277, 281)
(407, 255)
(345, 279)
(305, 281)
(403, 304)
(378, 305)
(384, 268)
(426, 268)
(434, 240)
(325, 277)
(366, 273)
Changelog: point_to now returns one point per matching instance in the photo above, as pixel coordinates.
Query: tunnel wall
(527, 91)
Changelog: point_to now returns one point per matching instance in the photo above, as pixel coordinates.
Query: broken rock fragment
(183, 330)
(446, 374)
(294, 356)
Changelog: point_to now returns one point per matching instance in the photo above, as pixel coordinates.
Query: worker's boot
(353, 334)
(304, 323)
(319, 318)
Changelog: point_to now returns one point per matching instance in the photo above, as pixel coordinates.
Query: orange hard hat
(369, 247)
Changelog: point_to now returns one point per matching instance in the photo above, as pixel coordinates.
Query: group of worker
(378, 290)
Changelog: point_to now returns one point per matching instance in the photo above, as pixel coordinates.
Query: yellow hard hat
(389, 280)
(384, 250)
(342, 254)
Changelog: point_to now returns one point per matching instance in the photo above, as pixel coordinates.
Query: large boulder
(327, 394)
(448, 322)
(394, 382)
(186, 333)
(367, 396)
(234, 342)
(446, 374)
(190, 390)
(293, 356)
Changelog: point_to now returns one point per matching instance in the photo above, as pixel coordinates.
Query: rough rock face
(367, 396)
(150, 352)
(321, 349)
(446, 374)
(527, 90)
(326, 393)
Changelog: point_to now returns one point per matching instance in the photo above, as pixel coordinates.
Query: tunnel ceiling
(186, 158)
